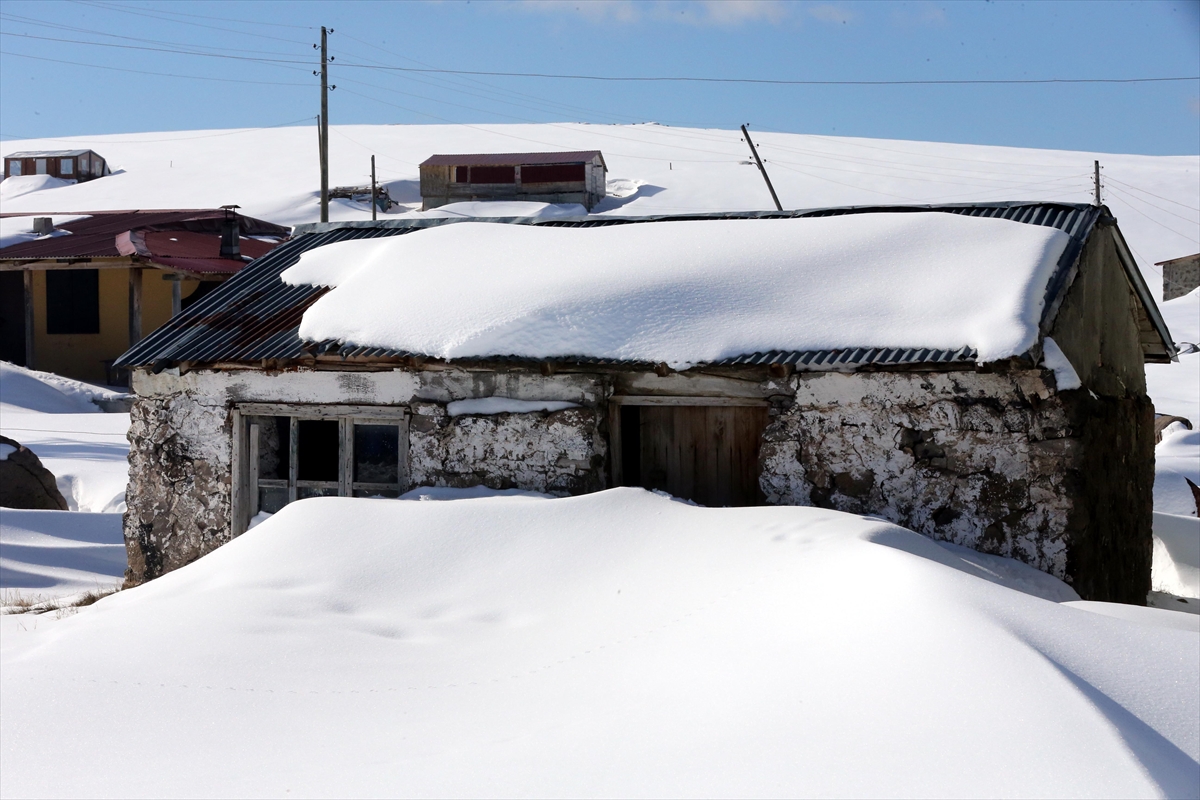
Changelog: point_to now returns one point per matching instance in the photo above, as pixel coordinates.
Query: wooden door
(708, 454)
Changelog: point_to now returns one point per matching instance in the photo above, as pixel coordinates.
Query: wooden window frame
(245, 456)
(615, 403)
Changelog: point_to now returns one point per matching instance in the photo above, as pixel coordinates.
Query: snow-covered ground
(83, 446)
(613, 644)
(53, 557)
(652, 169)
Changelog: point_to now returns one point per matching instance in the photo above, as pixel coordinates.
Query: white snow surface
(1176, 555)
(616, 644)
(653, 169)
(504, 405)
(688, 292)
(53, 555)
(55, 417)
(14, 230)
(1054, 359)
(14, 186)
(1176, 457)
(499, 208)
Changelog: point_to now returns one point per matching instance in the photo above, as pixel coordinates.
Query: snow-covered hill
(272, 173)
(616, 644)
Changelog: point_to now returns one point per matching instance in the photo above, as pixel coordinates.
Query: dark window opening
(462, 175)
(493, 175)
(376, 454)
(72, 301)
(274, 447)
(317, 450)
(553, 173)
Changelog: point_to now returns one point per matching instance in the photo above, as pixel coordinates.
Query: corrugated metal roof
(255, 316)
(509, 159)
(188, 240)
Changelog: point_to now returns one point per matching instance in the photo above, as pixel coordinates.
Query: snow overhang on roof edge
(255, 317)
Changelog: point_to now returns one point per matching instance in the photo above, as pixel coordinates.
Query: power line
(1159, 223)
(173, 139)
(73, 29)
(773, 81)
(1152, 194)
(1152, 205)
(147, 72)
(136, 10)
(155, 49)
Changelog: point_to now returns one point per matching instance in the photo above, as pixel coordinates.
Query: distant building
(1180, 276)
(574, 177)
(78, 165)
(73, 296)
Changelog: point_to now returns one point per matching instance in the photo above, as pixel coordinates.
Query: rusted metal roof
(186, 240)
(510, 159)
(256, 316)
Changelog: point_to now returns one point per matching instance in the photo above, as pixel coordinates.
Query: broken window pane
(377, 493)
(271, 500)
(376, 454)
(314, 491)
(317, 450)
(273, 447)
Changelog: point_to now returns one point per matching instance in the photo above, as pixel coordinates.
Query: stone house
(1180, 276)
(1040, 450)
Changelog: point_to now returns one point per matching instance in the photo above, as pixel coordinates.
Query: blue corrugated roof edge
(255, 316)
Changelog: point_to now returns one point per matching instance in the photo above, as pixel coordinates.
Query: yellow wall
(82, 356)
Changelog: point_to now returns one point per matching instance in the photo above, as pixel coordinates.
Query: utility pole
(374, 207)
(323, 123)
(762, 169)
(1096, 179)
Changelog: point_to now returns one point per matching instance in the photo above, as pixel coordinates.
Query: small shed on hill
(1180, 276)
(567, 177)
(74, 292)
(972, 372)
(79, 165)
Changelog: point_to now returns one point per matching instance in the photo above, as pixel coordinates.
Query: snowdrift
(619, 643)
(687, 292)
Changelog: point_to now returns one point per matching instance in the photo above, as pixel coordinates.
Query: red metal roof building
(74, 290)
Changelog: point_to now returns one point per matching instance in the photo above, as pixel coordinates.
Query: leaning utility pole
(1096, 180)
(374, 206)
(323, 124)
(762, 169)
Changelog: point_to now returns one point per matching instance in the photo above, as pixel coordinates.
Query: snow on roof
(47, 153)
(687, 292)
(509, 159)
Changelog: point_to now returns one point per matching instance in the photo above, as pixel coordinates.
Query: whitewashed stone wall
(977, 459)
(181, 469)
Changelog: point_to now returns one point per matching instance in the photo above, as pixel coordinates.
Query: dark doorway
(708, 454)
(12, 317)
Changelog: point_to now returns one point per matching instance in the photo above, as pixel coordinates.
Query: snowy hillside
(616, 644)
(272, 173)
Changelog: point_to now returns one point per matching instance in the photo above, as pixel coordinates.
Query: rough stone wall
(181, 471)
(982, 460)
(559, 453)
(179, 482)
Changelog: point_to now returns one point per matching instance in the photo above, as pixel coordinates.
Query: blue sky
(263, 76)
